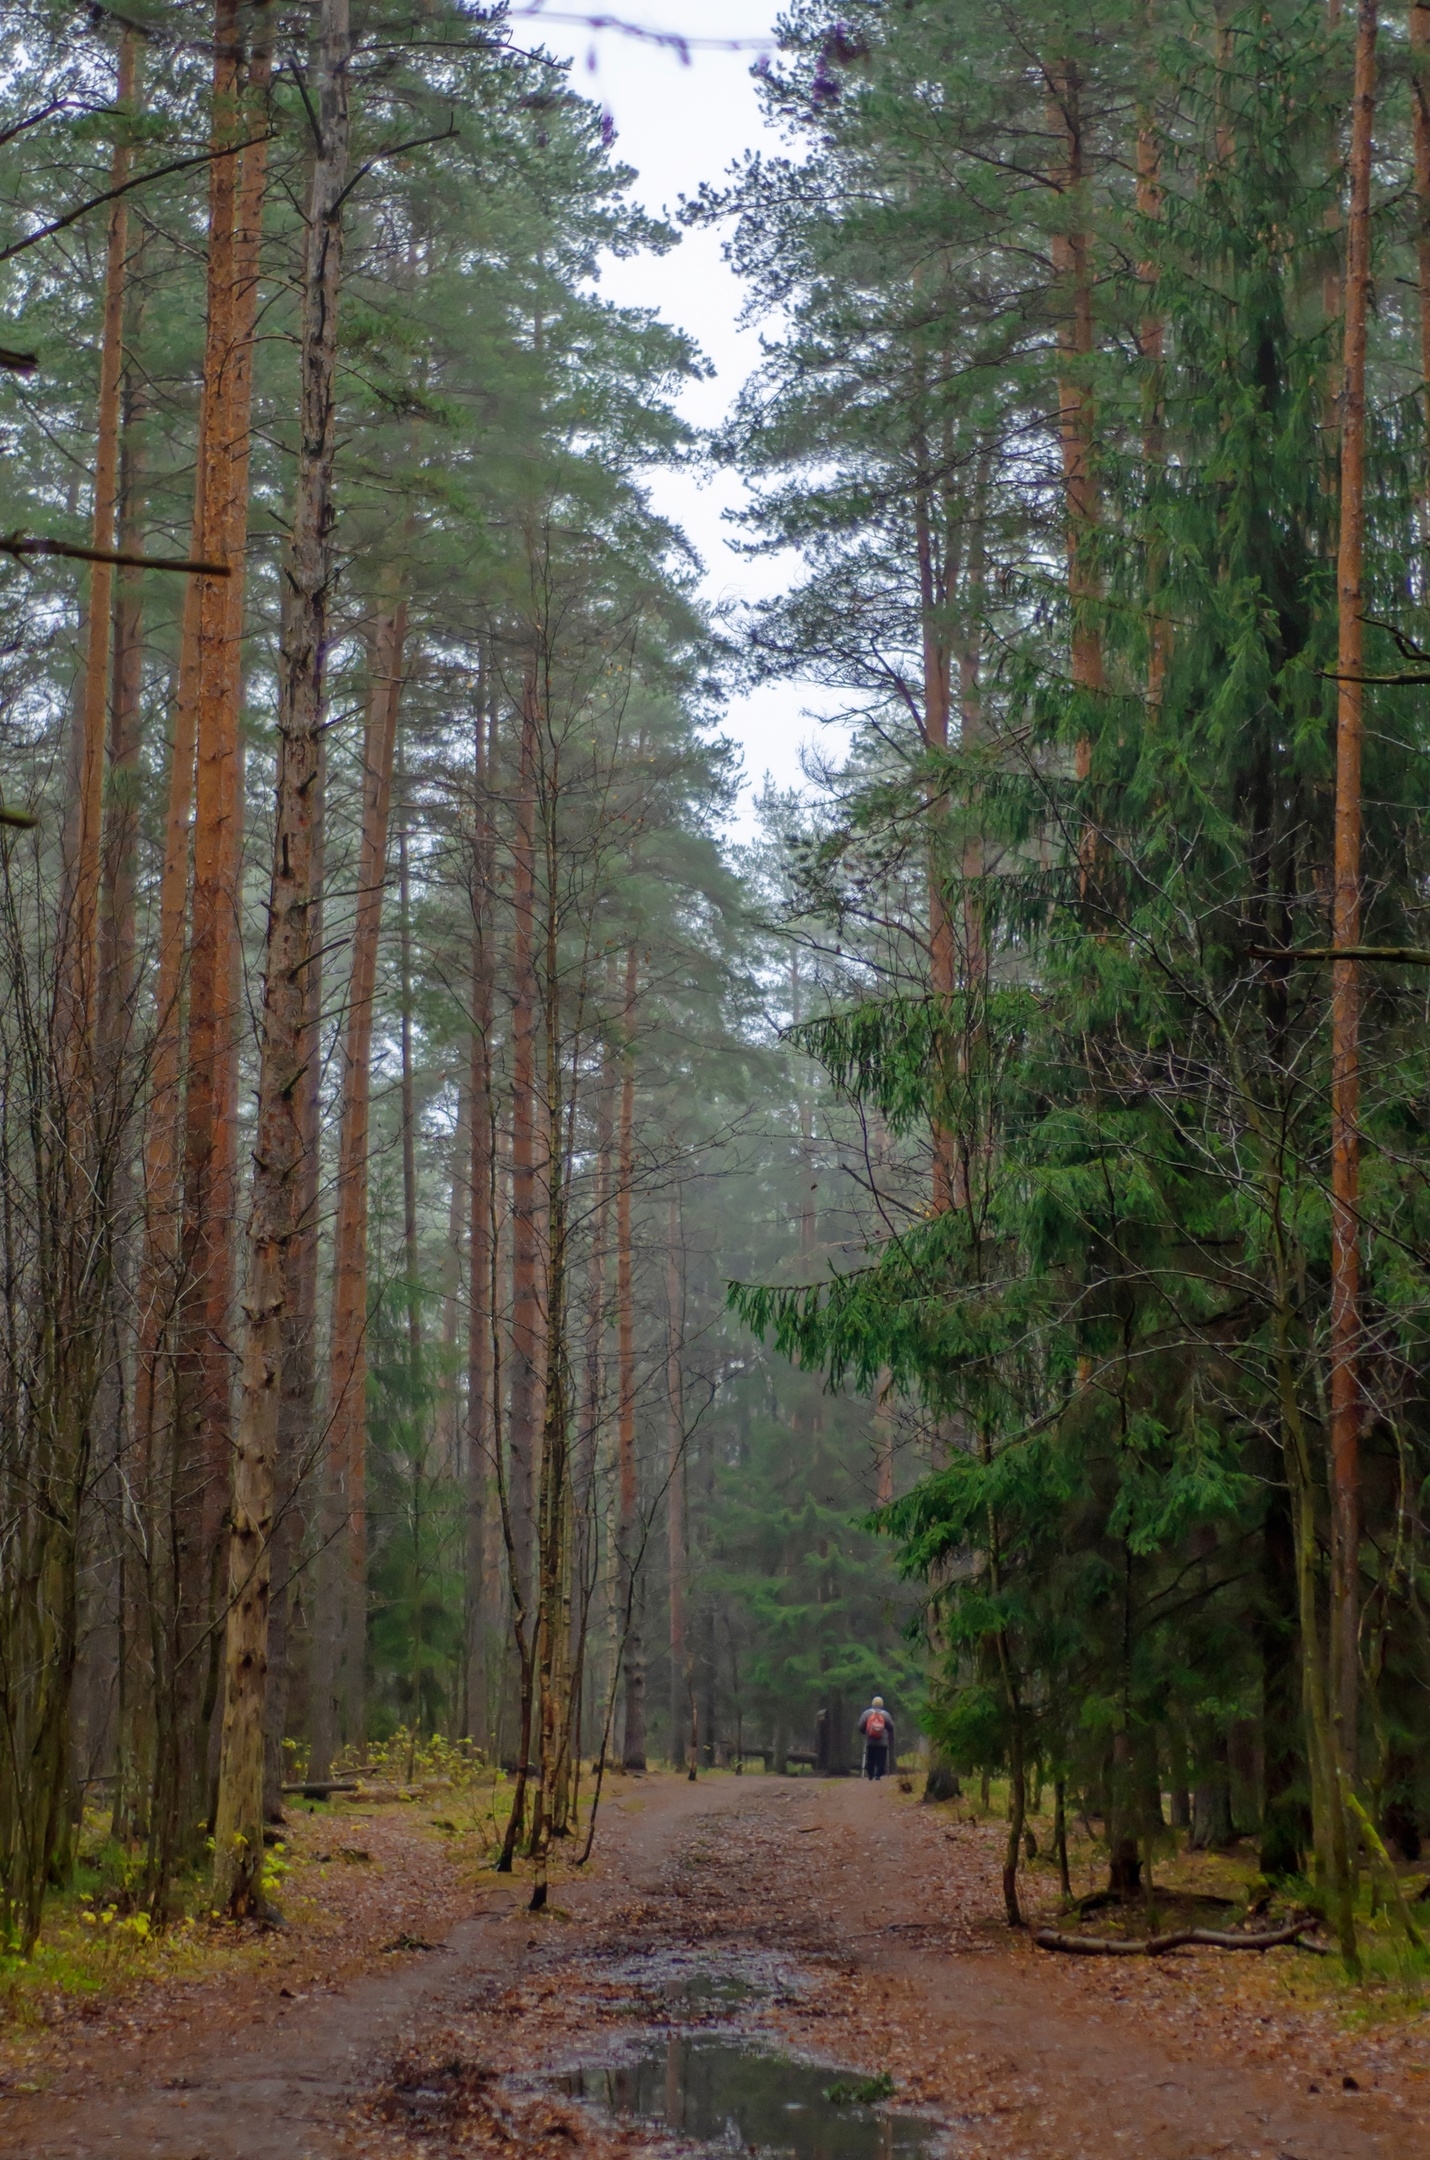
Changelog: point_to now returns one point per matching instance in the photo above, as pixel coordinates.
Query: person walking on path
(877, 1727)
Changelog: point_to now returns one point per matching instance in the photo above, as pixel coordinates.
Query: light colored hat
(878, 1702)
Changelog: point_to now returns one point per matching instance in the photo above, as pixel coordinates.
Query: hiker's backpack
(874, 1727)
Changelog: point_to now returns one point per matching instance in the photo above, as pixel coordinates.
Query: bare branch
(673, 40)
(21, 545)
(95, 202)
(1179, 1938)
(1393, 955)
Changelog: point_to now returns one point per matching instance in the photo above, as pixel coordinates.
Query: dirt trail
(871, 1928)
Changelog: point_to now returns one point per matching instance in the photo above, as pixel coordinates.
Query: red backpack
(874, 1726)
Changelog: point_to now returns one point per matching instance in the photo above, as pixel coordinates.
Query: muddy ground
(414, 2007)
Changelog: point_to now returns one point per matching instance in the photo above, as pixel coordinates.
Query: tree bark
(942, 949)
(884, 1438)
(342, 1563)
(681, 1691)
(1420, 114)
(416, 1404)
(1151, 341)
(296, 1448)
(81, 928)
(587, 1555)
(193, 1297)
(553, 1659)
(281, 1164)
(121, 827)
(1283, 1815)
(627, 1530)
(1072, 267)
(118, 982)
(1345, 1389)
(410, 1260)
(447, 1445)
(526, 1359)
(482, 1416)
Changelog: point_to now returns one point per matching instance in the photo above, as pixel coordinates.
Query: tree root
(1158, 1945)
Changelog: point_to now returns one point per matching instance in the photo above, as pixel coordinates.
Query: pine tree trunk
(627, 1528)
(281, 1163)
(117, 985)
(974, 1140)
(406, 1082)
(342, 1558)
(1150, 344)
(942, 948)
(681, 1692)
(482, 1415)
(525, 1381)
(1072, 265)
(554, 1514)
(883, 1438)
(1283, 1813)
(81, 928)
(416, 1406)
(446, 1438)
(121, 824)
(192, 1300)
(300, 1323)
(586, 1558)
(1420, 113)
(1346, 1406)
(1346, 1409)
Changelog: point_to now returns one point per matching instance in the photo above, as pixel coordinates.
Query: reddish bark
(194, 1399)
(205, 1369)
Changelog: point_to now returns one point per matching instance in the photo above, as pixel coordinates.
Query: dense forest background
(399, 1064)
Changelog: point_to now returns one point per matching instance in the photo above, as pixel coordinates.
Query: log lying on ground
(322, 1787)
(1177, 1939)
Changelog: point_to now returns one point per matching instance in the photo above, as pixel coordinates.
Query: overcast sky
(679, 125)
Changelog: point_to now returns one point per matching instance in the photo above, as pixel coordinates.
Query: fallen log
(1176, 1939)
(322, 1788)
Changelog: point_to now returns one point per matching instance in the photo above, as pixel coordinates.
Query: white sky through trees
(678, 125)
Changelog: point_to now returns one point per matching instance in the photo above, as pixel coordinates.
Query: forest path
(866, 1932)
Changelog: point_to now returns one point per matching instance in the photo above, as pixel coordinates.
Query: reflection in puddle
(707, 1991)
(727, 2093)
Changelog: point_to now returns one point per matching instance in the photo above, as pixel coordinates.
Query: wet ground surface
(746, 1948)
(729, 2093)
(702, 2067)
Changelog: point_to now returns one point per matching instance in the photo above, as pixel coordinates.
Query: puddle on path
(734, 2095)
(705, 1993)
